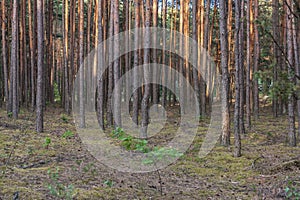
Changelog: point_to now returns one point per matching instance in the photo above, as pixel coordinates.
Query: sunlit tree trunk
(256, 57)
(14, 61)
(65, 57)
(181, 61)
(249, 64)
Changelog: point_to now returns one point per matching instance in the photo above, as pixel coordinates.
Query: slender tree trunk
(135, 106)
(154, 52)
(164, 72)
(127, 13)
(225, 139)
(186, 30)
(207, 24)
(22, 54)
(4, 54)
(146, 96)
(50, 52)
(242, 69)
(195, 55)
(237, 137)
(40, 64)
(81, 64)
(297, 63)
(100, 102)
(256, 63)
(110, 69)
(117, 90)
(291, 99)
(65, 55)
(230, 51)
(181, 61)
(276, 52)
(14, 61)
(32, 54)
(249, 64)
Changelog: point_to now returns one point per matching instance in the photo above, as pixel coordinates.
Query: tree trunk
(242, 67)
(256, 54)
(117, 90)
(135, 105)
(291, 99)
(297, 63)
(195, 55)
(110, 69)
(100, 101)
(181, 60)
(146, 96)
(276, 52)
(66, 60)
(225, 139)
(14, 61)
(237, 137)
(40, 64)
(81, 64)
(164, 73)
(154, 52)
(4, 54)
(249, 64)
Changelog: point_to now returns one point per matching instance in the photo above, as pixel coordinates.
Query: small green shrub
(160, 154)
(9, 114)
(58, 189)
(64, 118)
(129, 142)
(292, 191)
(109, 183)
(68, 134)
(47, 142)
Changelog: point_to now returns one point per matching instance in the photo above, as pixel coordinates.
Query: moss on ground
(25, 162)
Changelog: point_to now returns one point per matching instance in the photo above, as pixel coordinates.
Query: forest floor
(50, 166)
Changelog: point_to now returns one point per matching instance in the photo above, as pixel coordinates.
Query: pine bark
(4, 53)
(146, 95)
(117, 88)
(135, 106)
(237, 137)
(225, 138)
(14, 61)
(40, 68)
(81, 64)
(291, 98)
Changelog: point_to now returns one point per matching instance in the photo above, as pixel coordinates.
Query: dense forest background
(254, 44)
